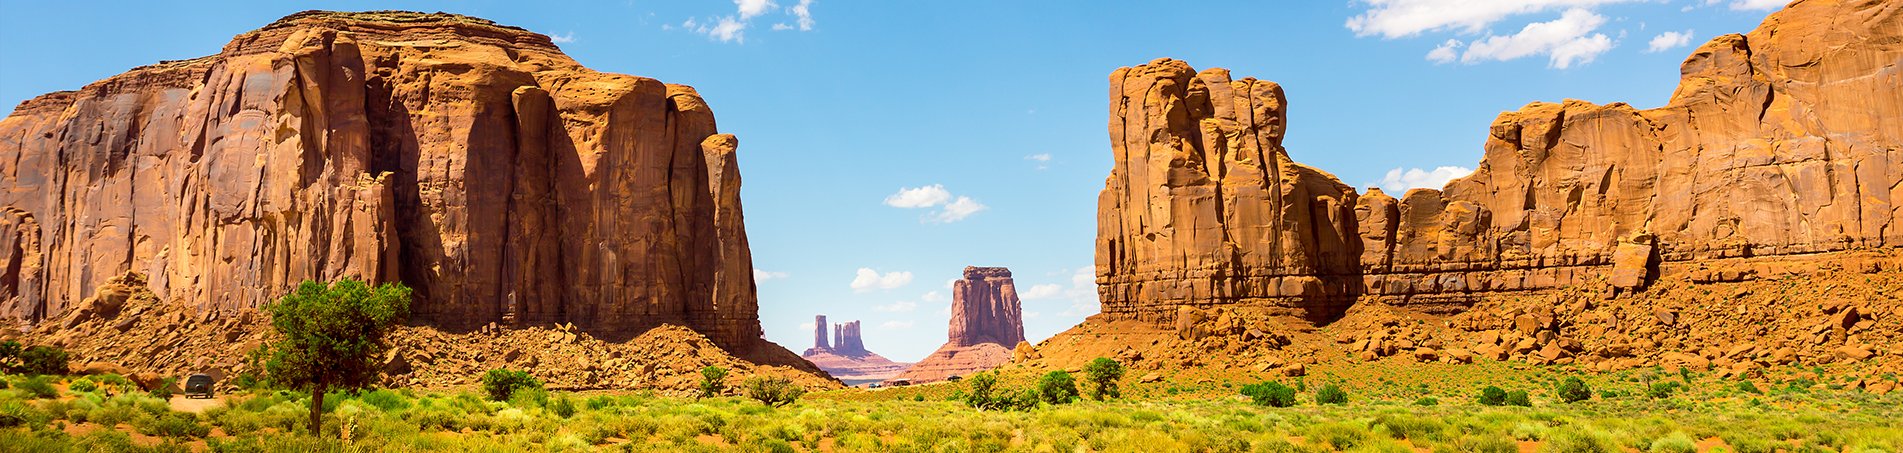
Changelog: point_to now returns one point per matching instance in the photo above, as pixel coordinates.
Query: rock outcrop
(987, 321)
(473, 161)
(1781, 152)
(846, 357)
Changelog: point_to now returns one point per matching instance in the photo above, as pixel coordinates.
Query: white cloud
(959, 210)
(752, 8)
(1398, 181)
(1668, 41)
(868, 279)
(1043, 291)
(1043, 160)
(1406, 18)
(732, 28)
(1082, 292)
(760, 275)
(896, 325)
(804, 13)
(563, 39)
(1759, 5)
(951, 209)
(1445, 53)
(919, 197)
(1565, 41)
(933, 296)
(897, 307)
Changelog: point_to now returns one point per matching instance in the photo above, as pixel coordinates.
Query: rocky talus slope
(846, 357)
(473, 161)
(987, 322)
(1592, 234)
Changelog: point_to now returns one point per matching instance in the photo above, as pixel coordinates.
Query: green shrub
(164, 390)
(1676, 442)
(384, 399)
(562, 406)
(43, 360)
(1661, 390)
(1103, 374)
(529, 397)
(9, 356)
(1573, 390)
(82, 385)
(773, 391)
(1580, 441)
(1057, 387)
(1331, 394)
(1519, 398)
(1493, 396)
(38, 387)
(174, 424)
(713, 381)
(501, 384)
(1748, 387)
(1427, 401)
(1272, 394)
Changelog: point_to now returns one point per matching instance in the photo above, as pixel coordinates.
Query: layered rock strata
(1781, 150)
(473, 161)
(987, 321)
(846, 357)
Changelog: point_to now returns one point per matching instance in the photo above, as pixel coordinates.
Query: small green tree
(39, 360)
(773, 391)
(979, 391)
(1748, 387)
(1661, 390)
(501, 384)
(713, 381)
(1331, 394)
(1057, 387)
(1574, 390)
(1103, 374)
(1519, 398)
(1272, 394)
(330, 337)
(1493, 396)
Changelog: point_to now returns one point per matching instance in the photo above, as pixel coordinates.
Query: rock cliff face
(987, 321)
(473, 161)
(846, 357)
(1781, 150)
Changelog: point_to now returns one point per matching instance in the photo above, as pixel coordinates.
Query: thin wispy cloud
(1750, 5)
(1044, 291)
(564, 38)
(1567, 41)
(868, 279)
(1043, 160)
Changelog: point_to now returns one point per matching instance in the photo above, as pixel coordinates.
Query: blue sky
(994, 112)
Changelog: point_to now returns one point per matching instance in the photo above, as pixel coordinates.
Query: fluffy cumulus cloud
(1668, 41)
(760, 275)
(868, 279)
(1398, 181)
(1565, 41)
(733, 28)
(563, 39)
(946, 208)
(1044, 291)
(1569, 40)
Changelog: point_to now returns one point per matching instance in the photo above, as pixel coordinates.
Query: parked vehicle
(198, 385)
(900, 382)
(954, 378)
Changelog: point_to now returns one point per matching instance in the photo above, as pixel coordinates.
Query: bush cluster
(1573, 390)
(773, 391)
(1103, 374)
(1272, 394)
(501, 384)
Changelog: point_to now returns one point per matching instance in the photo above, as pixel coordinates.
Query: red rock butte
(1781, 151)
(845, 356)
(987, 321)
(473, 161)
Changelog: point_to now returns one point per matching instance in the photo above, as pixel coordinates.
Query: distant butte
(987, 322)
(845, 357)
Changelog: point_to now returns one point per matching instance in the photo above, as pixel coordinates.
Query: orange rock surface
(1781, 152)
(473, 161)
